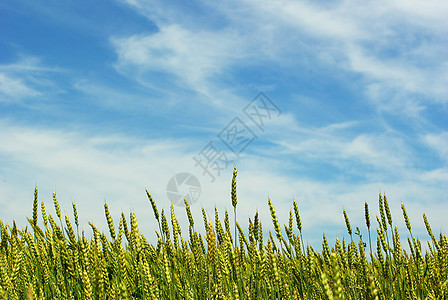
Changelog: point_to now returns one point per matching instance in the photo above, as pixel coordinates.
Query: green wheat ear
(296, 212)
(35, 207)
(233, 196)
(406, 218)
(56, 205)
(153, 204)
(44, 214)
(367, 217)
(75, 214)
(347, 223)
(234, 199)
(388, 214)
(110, 222)
(366, 214)
(278, 231)
(189, 215)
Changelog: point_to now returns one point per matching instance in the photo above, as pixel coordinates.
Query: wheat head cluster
(56, 261)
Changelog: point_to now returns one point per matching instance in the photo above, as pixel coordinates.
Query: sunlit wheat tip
(366, 214)
(388, 214)
(153, 204)
(35, 207)
(347, 223)
(296, 212)
(234, 198)
(56, 205)
(406, 218)
(382, 213)
(110, 221)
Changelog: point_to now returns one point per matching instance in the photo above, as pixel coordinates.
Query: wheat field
(58, 262)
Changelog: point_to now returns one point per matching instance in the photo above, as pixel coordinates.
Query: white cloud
(13, 88)
(312, 19)
(159, 11)
(437, 175)
(26, 78)
(84, 168)
(28, 64)
(439, 143)
(431, 14)
(382, 41)
(195, 58)
(88, 169)
(342, 144)
(386, 42)
(321, 203)
(347, 21)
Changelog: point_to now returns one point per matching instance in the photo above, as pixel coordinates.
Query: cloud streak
(12, 89)
(196, 59)
(26, 78)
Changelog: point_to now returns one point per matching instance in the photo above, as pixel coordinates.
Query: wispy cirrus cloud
(382, 43)
(85, 168)
(195, 59)
(25, 79)
(385, 43)
(13, 88)
(438, 143)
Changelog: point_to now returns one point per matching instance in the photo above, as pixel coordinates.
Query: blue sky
(102, 100)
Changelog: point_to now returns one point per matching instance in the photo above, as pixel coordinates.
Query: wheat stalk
(41, 264)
